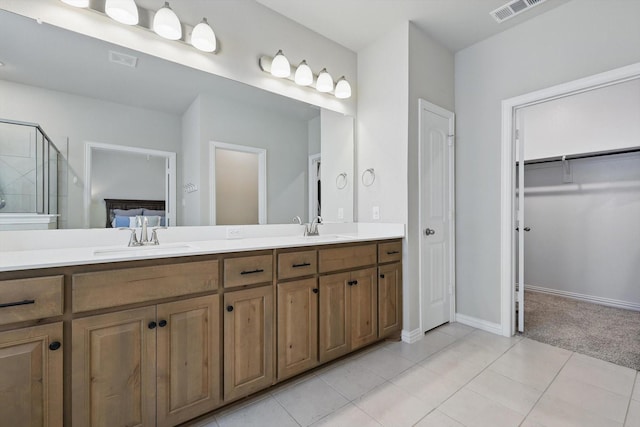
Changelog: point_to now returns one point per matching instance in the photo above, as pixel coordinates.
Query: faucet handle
(133, 240)
(154, 235)
(296, 220)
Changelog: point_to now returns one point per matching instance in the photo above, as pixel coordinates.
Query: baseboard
(412, 336)
(587, 298)
(494, 328)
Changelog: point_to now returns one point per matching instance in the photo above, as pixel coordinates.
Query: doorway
(166, 175)
(315, 206)
(436, 220)
(512, 215)
(238, 184)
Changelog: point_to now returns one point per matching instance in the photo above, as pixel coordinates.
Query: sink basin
(324, 237)
(143, 250)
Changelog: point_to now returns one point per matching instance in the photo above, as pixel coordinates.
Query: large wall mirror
(86, 91)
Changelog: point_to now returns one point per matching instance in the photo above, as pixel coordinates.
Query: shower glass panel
(29, 164)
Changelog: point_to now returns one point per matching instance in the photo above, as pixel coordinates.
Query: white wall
(284, 137)
(603, 119)
(577, 39)
(245, 30)
(83, 119)
(189, 164)
(336, 135)
(584, 235)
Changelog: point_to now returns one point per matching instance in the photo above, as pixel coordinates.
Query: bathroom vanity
(162, 339)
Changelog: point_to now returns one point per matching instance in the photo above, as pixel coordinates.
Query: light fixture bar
(265, 65)
(145, 21)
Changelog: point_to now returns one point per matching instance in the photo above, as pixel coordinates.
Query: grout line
(626, 414)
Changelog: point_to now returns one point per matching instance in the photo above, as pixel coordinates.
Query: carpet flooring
(606, 333)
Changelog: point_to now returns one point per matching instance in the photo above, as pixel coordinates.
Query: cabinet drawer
(346, 257)
(112, 288)
(29, 299)
(297, 264)
(248, 270)
(389, 252)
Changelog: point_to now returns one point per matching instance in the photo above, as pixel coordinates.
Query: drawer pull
(162, 323)
(229, 308)
(13, 304)
(304, 264)
(315, 290)
(392, 252)
(382, 276)
(54, 345)
(258, 270)
(152, 325)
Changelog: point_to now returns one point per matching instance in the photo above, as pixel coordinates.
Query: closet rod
(582, 156)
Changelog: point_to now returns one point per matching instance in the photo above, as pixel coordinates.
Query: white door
(520, 220)
(436, 215)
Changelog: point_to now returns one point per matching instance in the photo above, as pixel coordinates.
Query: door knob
(525, 229)
(429, 231)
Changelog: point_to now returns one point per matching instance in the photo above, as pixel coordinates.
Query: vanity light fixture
(203, 37)
(304, 75)
(343, 88)
(123, 11)
(77, 3)
(166, 23)
(325, 81)
(280, 66)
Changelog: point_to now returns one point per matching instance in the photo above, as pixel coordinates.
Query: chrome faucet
(144, 234)
(296, 220)
(312, 229)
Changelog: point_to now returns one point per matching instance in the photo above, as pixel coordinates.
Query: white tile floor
(456, 376)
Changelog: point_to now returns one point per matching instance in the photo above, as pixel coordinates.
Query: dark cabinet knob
(229, 308)
(54, 345)
(315, 290)
(382, 276)
(162, 323)
(152, 325)
(355, 282)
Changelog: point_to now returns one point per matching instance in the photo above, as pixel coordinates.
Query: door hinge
(451, 139)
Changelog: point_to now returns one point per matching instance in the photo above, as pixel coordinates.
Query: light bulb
(325, 81)
(280, 66)
(167, 24)
(123, 11)
(304, 75)
(77, 3)
(203, 37)
(343, 88)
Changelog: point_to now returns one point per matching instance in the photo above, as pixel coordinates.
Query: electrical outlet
(235, 233)
(340, 213)
(375, 213)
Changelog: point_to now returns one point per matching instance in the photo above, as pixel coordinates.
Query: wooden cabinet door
(31, 377)
(188, 352)
(248, 341)
(114, 369)
(335, 322)
(363, 307)
(297, 327)
(389, 299)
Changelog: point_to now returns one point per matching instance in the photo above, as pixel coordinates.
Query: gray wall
(585, 235)
(284, 137)
(84, 119)
(575, 40)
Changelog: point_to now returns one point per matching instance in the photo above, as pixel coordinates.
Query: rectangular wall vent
(123, 59)
(513, 8)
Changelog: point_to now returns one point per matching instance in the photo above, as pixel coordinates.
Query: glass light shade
(343, 89)
(77, 3)
(123, 11)
(167, 24)
(203, 37)
(280, 66)
(304, 75)
(325, 81)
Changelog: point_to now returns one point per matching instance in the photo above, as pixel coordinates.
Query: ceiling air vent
(514, 8)
(123, 59)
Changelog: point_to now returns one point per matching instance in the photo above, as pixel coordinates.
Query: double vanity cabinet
(162, 341)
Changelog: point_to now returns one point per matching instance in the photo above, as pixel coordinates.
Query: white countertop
(56, 248)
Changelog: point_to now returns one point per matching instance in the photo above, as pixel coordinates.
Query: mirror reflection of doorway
(238, 187)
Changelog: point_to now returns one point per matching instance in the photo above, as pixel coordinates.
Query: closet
(582, 195)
